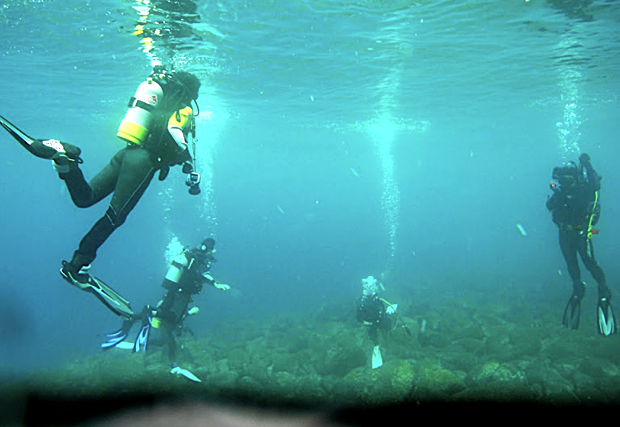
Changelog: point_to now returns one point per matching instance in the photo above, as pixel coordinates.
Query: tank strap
(133, 102)
(178, 265)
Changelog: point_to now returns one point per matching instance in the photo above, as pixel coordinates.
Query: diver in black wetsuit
(376, 314)
(185, 278)
(156, 129)
(153, 146)
(371, 310)
(575, 208)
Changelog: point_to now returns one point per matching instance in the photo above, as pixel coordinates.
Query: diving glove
(221, 286)
(391, 309)
(605, 317)
(187, 167)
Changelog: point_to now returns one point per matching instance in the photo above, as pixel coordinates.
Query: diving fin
(143, 337)
(184, 372)
(125, 345)
(572, 312)
(45, 149)
(112, 299)
(377, 360)
(108, 296)
(115, 339)
(605, 317)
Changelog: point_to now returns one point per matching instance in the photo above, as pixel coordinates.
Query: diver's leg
(172, 347)
(606, 321)
(586, 251)
(569, 247)
(373, 334)
(136, 172)
(572, 311)
(77, 268)
(86, 194)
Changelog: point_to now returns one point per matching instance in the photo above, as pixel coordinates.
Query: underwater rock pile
(460, 352)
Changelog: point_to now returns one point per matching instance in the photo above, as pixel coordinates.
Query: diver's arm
(360, 311)
(183, 155)
(179, 137)
(554, 200)
(221, 286)
(217, 285)
(180, 125)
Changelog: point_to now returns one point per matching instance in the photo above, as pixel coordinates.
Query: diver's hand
(188, 167)
(391, 309)
(193, 310)
(221, 286)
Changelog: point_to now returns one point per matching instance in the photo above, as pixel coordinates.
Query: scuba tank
(176, 270)
(171, 281)
(134, 127)
(174, 305)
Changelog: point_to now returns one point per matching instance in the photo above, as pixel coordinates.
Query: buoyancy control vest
(157, 106)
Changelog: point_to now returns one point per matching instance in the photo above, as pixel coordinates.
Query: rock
(497, 391)
(389, 384)
(433, 382)
(496, 371)
(238, 359)
(339, 359)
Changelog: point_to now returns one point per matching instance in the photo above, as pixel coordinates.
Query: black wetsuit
(371, 310)
(174, 307)
(575, 209)
(126, 177)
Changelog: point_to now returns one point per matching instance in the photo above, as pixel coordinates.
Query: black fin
(108, 296)
(572, 312)
(44, 149)
(112, 299)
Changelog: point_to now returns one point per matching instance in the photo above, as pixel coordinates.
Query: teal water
(337, 139)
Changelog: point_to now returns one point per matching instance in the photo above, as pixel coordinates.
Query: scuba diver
(156, 128)
(160, 324)
(575, 209)
(376, 313)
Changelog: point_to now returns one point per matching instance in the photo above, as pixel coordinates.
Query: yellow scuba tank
(135, 126)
